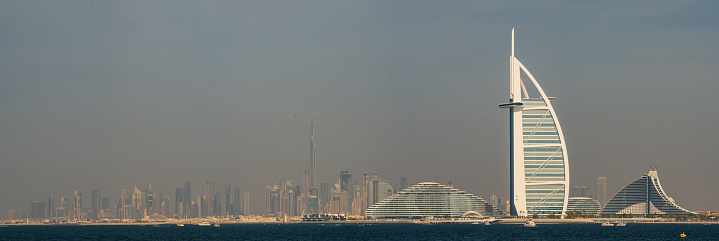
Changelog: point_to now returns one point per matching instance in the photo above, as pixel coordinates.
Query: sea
(351, 231)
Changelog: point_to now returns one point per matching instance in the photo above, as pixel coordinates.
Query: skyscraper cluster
(210, 203)
(344, 197)
(135, 203)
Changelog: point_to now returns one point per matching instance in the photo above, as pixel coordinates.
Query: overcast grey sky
(97, 94)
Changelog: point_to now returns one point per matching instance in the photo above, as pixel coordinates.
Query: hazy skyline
(96, 95)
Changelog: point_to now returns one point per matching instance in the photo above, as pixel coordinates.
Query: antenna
(312, 147)
(512, 41)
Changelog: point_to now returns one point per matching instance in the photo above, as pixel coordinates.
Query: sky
(100, 94)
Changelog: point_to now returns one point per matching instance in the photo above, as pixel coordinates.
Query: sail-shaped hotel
(539, 171)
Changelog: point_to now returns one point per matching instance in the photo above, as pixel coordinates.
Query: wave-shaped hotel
(643, 196)
(429, 199)
(539, 171)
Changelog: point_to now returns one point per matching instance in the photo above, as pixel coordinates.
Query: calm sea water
(365, 232)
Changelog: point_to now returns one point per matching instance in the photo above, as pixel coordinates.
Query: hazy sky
(97, 94)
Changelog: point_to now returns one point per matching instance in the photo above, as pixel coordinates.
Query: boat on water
(530, 224)
(180, 224)
(217, 225)
(621, 224)
(487, 223)
(204, 224)
(607, 224)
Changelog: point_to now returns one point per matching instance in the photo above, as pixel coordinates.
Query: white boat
(204, 224)
(487, 223)
(180, 224)
(530, 224)
(217, 225)
(621, 224)
(607, 224)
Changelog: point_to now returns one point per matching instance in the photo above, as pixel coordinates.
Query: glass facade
(429, 199)
(542, 164)
(633, 199)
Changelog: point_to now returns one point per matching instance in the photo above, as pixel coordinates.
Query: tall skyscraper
(77, 204)
(137, 204)
(228, 202)
(237, 201)
(324, 196)
(210, 196)
(178, 202)
(217, 205)
(356, 203)
(403, 183)
(148, 199)
(187, 201)
(272, 200)
(246, 203)
(123, 195)
(539, 171)
(602, 191)
(312, 151)
(494, 201)
(66, 204)
(346, 185)
(345, 180)
(50, 213)
(200, 206)
(96, 200)
(165, 210)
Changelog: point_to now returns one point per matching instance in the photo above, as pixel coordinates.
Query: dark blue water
(365, 232)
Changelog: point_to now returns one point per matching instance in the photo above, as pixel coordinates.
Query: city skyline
(100, 95)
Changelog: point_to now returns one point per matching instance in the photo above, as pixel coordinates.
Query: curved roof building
(583, 204)
(429, 199)
(643, 196)
(538, 162)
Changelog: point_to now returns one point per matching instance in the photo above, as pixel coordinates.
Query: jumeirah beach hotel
(643, 196)
(539, 171)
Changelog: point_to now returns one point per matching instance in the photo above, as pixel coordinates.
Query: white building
(539, 171)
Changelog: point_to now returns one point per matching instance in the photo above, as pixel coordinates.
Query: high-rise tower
(210, 197)
(539, 171)
(187, 200)
(228, 202)
(178, 202)
(96, 198)
(602, 191)
(312, 150)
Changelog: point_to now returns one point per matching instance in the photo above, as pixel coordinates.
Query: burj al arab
(538, 162)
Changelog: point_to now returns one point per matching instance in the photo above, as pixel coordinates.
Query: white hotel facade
(539, 170)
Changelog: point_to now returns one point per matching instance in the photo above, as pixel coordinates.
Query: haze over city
(96, 95)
